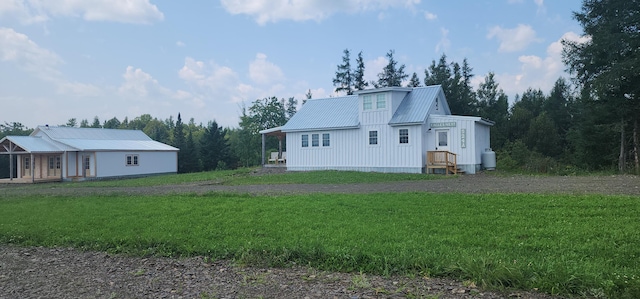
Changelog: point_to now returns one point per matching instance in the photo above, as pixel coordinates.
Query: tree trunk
(621, 157)
(635, 146)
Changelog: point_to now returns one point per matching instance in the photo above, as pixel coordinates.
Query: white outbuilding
(66, 153)
(394, 129)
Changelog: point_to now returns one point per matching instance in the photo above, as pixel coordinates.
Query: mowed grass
(560, 244)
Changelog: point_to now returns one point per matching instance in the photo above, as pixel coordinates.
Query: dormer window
(367, 102)
(381, 101)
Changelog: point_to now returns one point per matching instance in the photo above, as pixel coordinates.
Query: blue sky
(62, 59)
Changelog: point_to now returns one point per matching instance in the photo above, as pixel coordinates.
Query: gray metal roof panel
(33, 144)
(90, 133)
(414, 108)
(325, 114)
(117, 145)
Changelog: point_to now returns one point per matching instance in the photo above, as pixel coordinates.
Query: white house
(66, 153)
(393, 129)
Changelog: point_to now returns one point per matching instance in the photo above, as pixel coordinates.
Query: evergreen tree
(493, 104)
(179, 142)
(607, 64)
(189, 162)
(72, 122)
(391, 75)
(214, 148)
(414, 81)
(291, 107)
(96, 123)
(344, 78)
(113, 123)
(360, 83)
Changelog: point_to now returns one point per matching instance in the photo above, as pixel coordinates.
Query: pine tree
(360, 83)
(414, 81)
(391, 75)
(344, 78)
(179, 142)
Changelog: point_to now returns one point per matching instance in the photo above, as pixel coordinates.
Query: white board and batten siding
(113, 164)
(468, 137)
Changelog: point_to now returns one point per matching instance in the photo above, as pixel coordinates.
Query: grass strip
(560, 244)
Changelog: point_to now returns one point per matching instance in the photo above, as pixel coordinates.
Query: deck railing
(442, 160)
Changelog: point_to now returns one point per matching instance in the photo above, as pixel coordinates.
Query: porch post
(10, 160)
(263, 147)
(33, 171)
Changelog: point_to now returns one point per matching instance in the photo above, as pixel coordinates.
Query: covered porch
(276, 158)
(31, 160)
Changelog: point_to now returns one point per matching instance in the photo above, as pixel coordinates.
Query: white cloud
(180, 44)
(124, 11)
(445, 43)
(538, 72)
(264, 72)
(18, 48)
(512, 40)
(430, 16)
(265, 11)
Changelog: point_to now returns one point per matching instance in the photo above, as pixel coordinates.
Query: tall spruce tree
(414, 81)
(392, 74)
(493, 104)
(360, 83)
(179, 142)
(607, 65)
(344, 79)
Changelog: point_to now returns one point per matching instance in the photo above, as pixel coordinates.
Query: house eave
(320, 129)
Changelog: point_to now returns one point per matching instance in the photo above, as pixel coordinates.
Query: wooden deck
(442, 160)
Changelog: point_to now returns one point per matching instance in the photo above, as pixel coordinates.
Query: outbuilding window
(305, 140)
(367, 102)
(315, 140)
(381, 101)
(325, 139)
(132, 160)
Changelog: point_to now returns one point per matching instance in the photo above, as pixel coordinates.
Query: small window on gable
(404, 135)
(373, 137)
(367, 102)
(381, 101)
(325, 139)
(315, 140)
(305, 140)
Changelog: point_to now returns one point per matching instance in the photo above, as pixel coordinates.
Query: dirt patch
(69, 273)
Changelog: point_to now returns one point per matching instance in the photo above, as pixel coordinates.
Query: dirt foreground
(70, 273)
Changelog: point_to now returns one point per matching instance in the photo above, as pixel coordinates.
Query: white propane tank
(488, 159)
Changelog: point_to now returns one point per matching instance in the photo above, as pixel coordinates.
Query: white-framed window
(305, 140)
(381, 101)
(27, 162)
(367, 102)
(326, 139)
(315, 140)
(52, 162)
(132, 160)
(87, 162)
(373, 137)
(404, 136)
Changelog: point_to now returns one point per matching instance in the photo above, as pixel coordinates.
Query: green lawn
(561, 244)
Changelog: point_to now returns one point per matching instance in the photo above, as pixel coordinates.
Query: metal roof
(325, 114)
(415, 106)
(46, 139)
(90, 133)
(31, 144)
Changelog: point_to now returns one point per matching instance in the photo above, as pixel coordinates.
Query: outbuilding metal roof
(31, 144)
(325, 114)
(414, 108)
(46, 139)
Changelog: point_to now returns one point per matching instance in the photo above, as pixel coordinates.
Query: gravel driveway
(37, 272)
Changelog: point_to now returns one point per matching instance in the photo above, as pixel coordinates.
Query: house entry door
(442, 140)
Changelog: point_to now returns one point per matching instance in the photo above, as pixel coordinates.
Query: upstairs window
(404, 136)
(367, 102)
(325, 139)
(381, 101)
(315, 140)
(305, 140)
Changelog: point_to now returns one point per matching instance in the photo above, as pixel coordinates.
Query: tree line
(587, 123)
